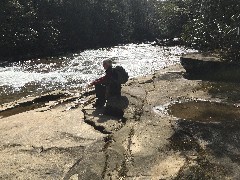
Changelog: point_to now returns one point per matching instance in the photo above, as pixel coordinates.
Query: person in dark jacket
(106, 86)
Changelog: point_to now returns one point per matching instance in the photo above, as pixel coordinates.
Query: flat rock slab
(43, 143)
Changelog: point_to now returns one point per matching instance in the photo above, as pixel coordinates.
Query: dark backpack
(122, 74)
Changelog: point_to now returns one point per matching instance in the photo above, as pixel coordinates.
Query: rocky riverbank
(173, 128)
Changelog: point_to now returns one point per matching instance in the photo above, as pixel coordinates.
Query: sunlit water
(76, 70)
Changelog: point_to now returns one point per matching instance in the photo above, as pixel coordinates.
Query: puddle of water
(205, 111)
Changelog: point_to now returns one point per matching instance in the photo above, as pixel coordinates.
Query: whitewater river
(74, 71)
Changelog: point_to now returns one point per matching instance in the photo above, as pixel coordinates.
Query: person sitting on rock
(106, 86)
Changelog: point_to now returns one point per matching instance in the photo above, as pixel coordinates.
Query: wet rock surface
(173, 128)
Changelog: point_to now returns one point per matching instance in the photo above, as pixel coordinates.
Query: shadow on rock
(215, 145)
(221, 90)
(209, 131)
(217, 76)
(118, 102)
(109, 118)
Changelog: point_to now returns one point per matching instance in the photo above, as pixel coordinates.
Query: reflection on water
(74, 71)
(205, 111)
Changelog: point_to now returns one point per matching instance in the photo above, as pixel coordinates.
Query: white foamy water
(75, 70)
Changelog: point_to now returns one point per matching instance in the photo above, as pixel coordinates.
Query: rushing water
(76, 70)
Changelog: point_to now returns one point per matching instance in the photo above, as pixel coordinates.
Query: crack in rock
(128, 157)
(99, 128)
(30, 105)
(129, 151)
(73, 170)
(108, 141)
(7, 146)
(61, 150)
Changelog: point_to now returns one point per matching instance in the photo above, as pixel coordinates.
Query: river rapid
(74, 71)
